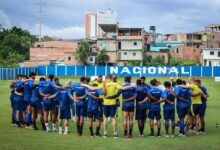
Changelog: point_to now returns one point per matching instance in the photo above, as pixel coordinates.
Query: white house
(211, 57)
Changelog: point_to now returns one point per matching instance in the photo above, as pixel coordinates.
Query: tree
(134, 62)
(157, 61)
(102, 58)
(14, 45)
(147, 60)
(82, 52)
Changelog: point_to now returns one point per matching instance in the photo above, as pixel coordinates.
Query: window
(218, 53)
(119, 45)
(125, 53)
(91, 58)
(69, 58)
(211, 52)
(119, 55)
(134, 54)
(135, 43)
(176, 50)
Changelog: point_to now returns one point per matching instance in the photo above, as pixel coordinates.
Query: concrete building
(185, 53)
(130, 44)
(90, 25)
(213, 28)
(52, 53)
(211, 57)
(94, 21)
(191, 39)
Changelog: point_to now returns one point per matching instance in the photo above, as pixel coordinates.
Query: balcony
(129, 37)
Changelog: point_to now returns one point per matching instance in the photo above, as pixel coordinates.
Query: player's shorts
(80, 111)
(27, 100)
(110, 111)
(56, 102)
(203, 110)
(19, 105)
(154, 113)
(128, 108)
(95, 113)
(183, 111)
(65, 114)
(37, 105)
(169, 114)
(47, 105)
(141, 114)
(27, 103)
(196, 109)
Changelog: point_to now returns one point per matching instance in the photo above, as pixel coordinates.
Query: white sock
(105, 132)
(60, 129)
(47, 125)
(66, 129)
(54, 125)
(115, 133)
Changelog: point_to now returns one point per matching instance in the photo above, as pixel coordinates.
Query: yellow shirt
(112, 89)
(195, 90)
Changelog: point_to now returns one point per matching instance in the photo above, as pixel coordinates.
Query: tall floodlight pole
(40, 18)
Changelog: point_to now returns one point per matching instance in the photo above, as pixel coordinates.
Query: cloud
(5, 21)
(71, 32)
(66, 19)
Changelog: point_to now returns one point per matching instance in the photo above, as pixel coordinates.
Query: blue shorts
(65, 114)
(110, 111)
(154, 113)
(169, 114)
(47, 105)
(197, 109)
(27, 103)
(19, 106)
(183, 112)
(203, 110)
(128, 108)
(141, 114)
(94, 113)
(80, 111)
(37, 105)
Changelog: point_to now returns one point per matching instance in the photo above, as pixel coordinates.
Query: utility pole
(40, 18)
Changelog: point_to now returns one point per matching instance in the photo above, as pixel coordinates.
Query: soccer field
(12, 138)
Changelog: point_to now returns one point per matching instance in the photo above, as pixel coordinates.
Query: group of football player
(100, 101)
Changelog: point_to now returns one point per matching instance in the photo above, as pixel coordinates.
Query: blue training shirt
(93, 104)
(141, 93)
(35, 97)
(64, 99)
(79, 91)
(170, 97)
(184, 93)
(156, 93)
(126, 94)
(27, 89)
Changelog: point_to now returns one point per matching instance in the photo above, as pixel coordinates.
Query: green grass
(12, 138)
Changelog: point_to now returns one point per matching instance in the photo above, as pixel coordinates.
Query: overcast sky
(65, 18)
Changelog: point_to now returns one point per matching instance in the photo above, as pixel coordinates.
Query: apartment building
(94, 20)
(211, 56)
(130, 44)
